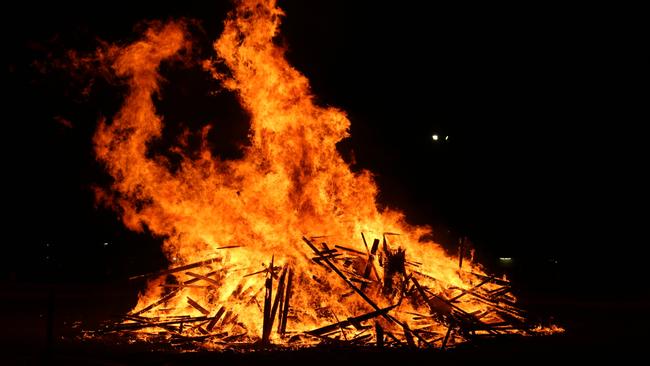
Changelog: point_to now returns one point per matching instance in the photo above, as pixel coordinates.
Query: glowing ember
(243, 220)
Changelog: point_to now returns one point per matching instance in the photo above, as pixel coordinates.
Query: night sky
(537, 103)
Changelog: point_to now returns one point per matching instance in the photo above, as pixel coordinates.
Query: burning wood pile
(406, 307)
(291, 179)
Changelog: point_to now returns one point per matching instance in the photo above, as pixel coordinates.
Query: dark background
(543, 163)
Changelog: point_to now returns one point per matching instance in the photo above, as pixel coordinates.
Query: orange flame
(290, 182)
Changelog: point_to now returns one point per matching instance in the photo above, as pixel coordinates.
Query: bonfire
(286, 245)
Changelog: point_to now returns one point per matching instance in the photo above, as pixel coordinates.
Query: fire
(291, 182)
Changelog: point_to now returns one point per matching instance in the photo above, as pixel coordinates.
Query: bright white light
(105, 244)
(446, 138)
(435, 137)
(505, 259)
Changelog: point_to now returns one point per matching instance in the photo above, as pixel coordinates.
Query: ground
(594, 329)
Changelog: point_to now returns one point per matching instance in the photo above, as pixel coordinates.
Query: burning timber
(404, 306)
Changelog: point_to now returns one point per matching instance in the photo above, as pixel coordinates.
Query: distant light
(105, 244)
(505, 259)
(435, 137)
(446, 138)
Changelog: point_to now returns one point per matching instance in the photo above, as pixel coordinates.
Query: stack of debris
(440, 319)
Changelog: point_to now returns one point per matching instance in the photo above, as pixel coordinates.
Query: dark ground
(596, 330)
(544, 163)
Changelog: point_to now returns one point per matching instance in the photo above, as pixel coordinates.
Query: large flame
(290, 182)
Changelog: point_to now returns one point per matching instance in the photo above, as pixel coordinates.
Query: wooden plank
(156, 303)
(349, 249)
(495, 304)
(465, 291)
(279, 295)
(461, 246)
(280, 299)
(181, 285)
(370, 262)
(444, 341)
(379, 335)
(340, 327)
(361, 339)
(355, 288)
(408, 335)
(197, 306)
(150, 321)
(328, 256)
(434, 308)
(412, 263)
(177, 269)
(268, 295)
(498, 281)
(258, 272)
(204, 278)
(351, 321)
(391, 336)
(282, 324)
(365, 244)
(425, 275)
(360, 280)
(215, 318)
(227, 318)
(145, 323)
(375, 247)
(234, 337)
(347, 281)
(496, 293)
(265, 270)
